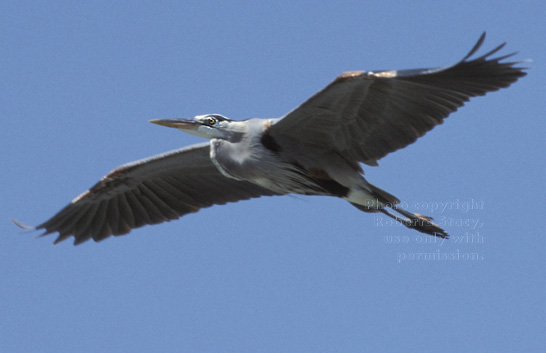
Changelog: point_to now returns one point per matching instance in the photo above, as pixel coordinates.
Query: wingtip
(22, 225)
(476, 46)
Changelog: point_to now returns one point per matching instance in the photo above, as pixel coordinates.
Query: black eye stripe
(217, 117)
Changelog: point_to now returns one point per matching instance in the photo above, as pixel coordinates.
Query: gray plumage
(314, 150)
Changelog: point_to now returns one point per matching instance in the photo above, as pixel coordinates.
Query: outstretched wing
(149, 191)
(365, 115)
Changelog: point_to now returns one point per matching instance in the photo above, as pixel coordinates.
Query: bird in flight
(316, 149)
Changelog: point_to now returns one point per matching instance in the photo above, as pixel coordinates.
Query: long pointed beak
(177, 123)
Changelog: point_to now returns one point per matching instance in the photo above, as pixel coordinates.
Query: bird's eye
(211, 120)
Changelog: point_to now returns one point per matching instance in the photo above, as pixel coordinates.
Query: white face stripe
(209, 132)
(221, 127)
(200, 132)
(205, 129)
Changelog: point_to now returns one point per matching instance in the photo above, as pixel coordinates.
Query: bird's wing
(365, 115)
(149, 191)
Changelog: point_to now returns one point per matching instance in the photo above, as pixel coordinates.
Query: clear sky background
(79, 82)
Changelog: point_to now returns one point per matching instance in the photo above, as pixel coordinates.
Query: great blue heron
(313, 150)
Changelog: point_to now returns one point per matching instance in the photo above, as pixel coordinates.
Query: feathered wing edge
(149, 191)
(364, 115)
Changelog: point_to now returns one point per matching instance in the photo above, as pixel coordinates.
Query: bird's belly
(278, 177)
(278, 185)
(289, 182)
(262, 167)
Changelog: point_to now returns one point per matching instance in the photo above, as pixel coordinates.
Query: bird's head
(207, 126)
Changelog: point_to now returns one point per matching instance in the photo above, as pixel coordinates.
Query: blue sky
(79, 82)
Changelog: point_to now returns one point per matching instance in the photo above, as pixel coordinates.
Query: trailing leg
(417, 221)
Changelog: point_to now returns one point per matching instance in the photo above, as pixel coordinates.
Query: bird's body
(315, 149)
(257, 158)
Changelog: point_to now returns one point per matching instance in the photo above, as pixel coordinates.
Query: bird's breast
(257, 164)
